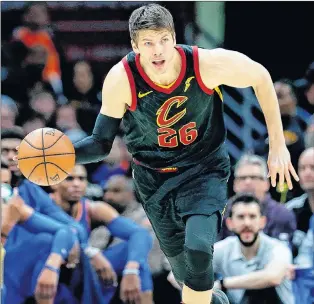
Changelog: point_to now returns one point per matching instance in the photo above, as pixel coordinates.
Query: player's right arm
(116, 96)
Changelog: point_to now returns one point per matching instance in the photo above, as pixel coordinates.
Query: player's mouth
(246, 233)
(159, 63)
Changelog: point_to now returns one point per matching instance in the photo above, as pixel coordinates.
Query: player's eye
(165, 39)
(147, 43)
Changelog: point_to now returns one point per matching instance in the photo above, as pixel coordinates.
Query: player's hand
(104, 270)
(74, 256)
(279, 162)
(290, 274)
(46, 287)
(130, 289)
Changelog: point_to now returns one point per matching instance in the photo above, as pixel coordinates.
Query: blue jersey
(303, 286)
(82, 215)
(35, 197)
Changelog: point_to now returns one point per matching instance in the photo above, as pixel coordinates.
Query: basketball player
(169, 99)
(37, 272)
(128, 258)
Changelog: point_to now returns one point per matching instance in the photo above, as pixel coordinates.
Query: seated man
(129, 258)
(303, 206)
(252, 265)
(250, 175)
(32, 267)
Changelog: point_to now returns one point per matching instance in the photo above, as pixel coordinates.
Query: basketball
(46, 156)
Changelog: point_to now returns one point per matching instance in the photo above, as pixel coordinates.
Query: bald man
(303, 206)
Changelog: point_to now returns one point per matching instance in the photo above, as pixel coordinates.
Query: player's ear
(263, 222)
(174, 38)
(134, 47)
(229, 223)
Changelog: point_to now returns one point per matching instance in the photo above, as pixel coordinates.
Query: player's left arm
(224, 67)
(139, 238)
(271, 276)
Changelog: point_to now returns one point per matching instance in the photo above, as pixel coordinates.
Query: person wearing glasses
(250, 175)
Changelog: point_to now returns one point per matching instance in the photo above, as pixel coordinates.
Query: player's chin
(76, 197)
(247, 237)
(14, 169)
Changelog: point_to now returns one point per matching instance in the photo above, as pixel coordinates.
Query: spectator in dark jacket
(250, 175)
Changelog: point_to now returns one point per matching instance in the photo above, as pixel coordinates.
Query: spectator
(34, 122)
(44, 104)
(250, 175)
(309, 134)
(306, 88)
(9, 112)
(36, 35)
(66, 122)
(253, 265)
(85, 95)
(84, 89)
(303, 206)
(291, 125)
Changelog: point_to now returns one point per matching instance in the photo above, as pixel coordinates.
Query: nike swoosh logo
(141, 95)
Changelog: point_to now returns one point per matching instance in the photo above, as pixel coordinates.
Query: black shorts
(168, 198)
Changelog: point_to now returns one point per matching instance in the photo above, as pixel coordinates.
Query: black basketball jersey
(175, 126)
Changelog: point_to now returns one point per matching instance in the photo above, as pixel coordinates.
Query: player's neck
(66, 206)
(251, 252)
(168, 77)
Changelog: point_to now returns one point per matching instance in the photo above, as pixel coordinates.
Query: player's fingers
(288, 178)
(122, 295)
(137, 297)
(129, 297)
(293, 172)
(281, 179)
(273, 176)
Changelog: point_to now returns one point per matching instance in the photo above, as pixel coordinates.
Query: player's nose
(158, 50)
(12, 155)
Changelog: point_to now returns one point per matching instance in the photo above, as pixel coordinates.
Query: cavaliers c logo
(162, 113)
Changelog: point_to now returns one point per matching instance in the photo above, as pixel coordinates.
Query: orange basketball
(46, 156)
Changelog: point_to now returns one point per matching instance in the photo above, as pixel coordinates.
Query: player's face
(285, 98)
(8, 151)
(306, 170)
(73, 188)
(250, 178)
(156, 49)
(246, 222)
(116, 194)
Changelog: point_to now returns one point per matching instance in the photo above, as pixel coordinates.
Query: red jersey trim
(155, 86)
(132, 84)
(197, 72)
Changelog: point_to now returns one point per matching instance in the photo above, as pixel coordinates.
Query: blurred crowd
(109, 228)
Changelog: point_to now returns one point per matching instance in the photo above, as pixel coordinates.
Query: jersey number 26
(170, 138)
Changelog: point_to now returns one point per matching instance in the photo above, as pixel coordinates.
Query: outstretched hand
(279, 162)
